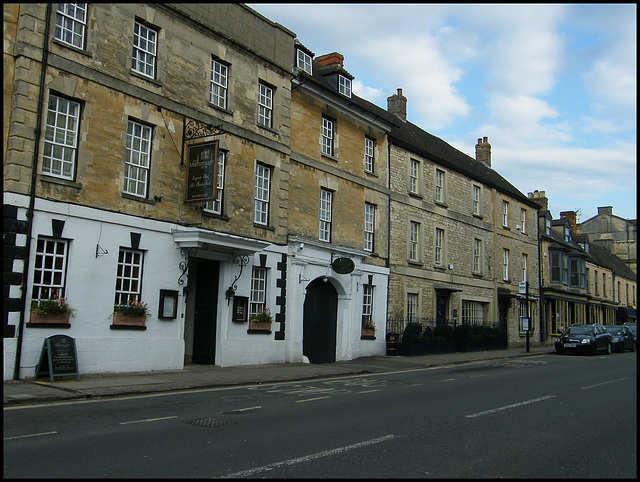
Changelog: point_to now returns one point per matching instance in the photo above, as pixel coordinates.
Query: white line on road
(310, 399)
(448, 380)
(519, 404)
(147, 420)
(307, 458)
(604, 383)
(30, 435)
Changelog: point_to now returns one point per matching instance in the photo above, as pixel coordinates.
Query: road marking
(30, 435)
(367, 391)
(147, 420)
(604, 383)
(448, 380)
(307, 458)
(519, 404)
(310, 399)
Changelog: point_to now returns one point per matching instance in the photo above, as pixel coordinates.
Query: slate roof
(413, 138)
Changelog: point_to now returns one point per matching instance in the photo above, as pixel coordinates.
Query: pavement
(33, 391)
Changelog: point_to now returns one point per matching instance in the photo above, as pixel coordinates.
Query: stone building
(462, 238)
(339, 208)
(616, 234)
(118, 120)
(581, 282)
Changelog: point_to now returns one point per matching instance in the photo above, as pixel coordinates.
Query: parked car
(633, 327)
(622, 338)
(585, 339)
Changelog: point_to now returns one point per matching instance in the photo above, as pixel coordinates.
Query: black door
(320, 322)
(204, 318)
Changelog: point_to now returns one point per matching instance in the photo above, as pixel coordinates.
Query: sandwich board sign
(58, 358)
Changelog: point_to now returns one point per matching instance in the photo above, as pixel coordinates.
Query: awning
(626, 313)
(219, 242)
(450, 289)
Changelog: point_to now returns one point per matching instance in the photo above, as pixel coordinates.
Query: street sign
(523, 287)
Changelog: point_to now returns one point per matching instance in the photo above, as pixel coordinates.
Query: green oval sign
(343, 265)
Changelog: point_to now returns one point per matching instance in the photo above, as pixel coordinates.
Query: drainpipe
(32, 198)
(543, 315)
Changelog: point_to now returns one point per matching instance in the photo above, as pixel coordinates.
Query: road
(542, 416)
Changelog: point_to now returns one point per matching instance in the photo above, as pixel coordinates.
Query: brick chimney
(397, 104)
(540, 198)
(330, 59)
(483, 151)
(571, 217)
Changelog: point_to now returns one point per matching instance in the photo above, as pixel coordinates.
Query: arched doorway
(320, 322)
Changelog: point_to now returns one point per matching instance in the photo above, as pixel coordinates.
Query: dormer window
(344, 85)
(303, 61)
(567, 234)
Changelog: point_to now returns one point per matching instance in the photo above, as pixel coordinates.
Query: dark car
(585, 339)
(633, 327)
(622, 338)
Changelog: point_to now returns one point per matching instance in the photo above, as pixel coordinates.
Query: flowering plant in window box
(261, 321)
(368, 327)
(131, 313)
(52, 310)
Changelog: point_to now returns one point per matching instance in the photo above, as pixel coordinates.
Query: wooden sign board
(202, 172)
(58, 358)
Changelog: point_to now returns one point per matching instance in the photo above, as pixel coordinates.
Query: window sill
(442, 204)
(151, 80)
(270, 129)
(48, 325)
(214, 215)
(73, 48)
(415, 195)
(417, 264)
(128, 327)
(371, 173)
(478, 216)
(331, 158)
(62, 182)
(263, 226)
(131, 197)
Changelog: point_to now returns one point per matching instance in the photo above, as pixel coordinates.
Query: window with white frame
(525, 266)
(265, 105)
(50, 268)
(477, 255)
(304, 61)
(344, 85)
(327, 136)
(263, 181)
(369, 146)
(439, 247)
(475, 202)
(472, 313)
(71, 24)
(414, 241)
(595, 279)
(412, 307)
(215, 206)
(136, 167)
(414, 176)
(129, 276)
(547, 226)
(367, 304)
(257, 303)
(326, 201)
(523, 220)
(218, 84)
(439, 194)
(61, 137)
(505, 264)
(369, 226)
(567, 233)
(145, 41)
(505, 214)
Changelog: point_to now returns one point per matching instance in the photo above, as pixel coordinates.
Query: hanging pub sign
(202, 172)
(343, 265)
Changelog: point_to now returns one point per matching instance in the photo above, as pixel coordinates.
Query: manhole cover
(209, 422)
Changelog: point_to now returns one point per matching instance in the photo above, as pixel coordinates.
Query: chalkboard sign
(58, 358)
(202, 172)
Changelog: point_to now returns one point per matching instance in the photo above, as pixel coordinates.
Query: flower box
(57, 318)
(119, 319)
(368, 333)
(256, 326)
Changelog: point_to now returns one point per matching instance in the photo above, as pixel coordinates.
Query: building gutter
(32, 193)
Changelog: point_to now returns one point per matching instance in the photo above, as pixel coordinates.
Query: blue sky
(552, 86)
